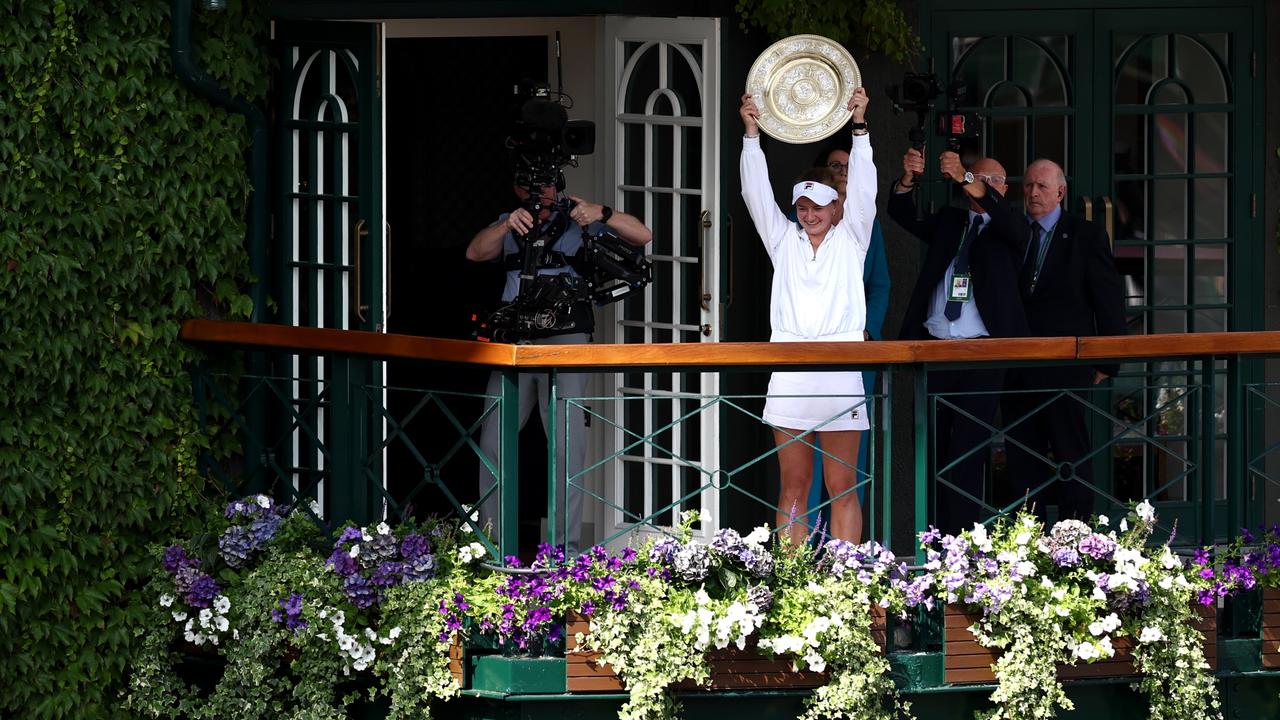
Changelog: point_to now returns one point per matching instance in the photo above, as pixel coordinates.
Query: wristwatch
(968, 178)
(606, 212)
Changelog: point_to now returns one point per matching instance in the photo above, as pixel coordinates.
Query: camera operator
(498, 242)
(967, 288)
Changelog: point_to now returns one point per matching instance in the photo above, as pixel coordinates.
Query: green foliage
(122, 207)
(873, 25)
(286, 640)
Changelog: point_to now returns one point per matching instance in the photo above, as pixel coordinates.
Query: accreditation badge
(961, 288)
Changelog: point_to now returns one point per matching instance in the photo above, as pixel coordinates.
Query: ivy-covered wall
(121, 214)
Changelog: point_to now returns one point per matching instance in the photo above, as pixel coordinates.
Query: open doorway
(449, 109)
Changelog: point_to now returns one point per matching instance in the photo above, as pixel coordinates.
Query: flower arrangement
(305, 623)
(1064, 596)
(686, 598)
(300, 634)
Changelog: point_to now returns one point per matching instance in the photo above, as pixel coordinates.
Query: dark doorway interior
(449, 110)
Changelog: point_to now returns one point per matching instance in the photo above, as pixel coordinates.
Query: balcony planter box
(480, 663)
(968, 662)
(457, 660)
(731, 668)
(1270, 629)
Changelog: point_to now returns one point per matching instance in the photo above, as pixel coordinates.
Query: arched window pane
(1170, 149)
(1196, 67)
(1035, 69)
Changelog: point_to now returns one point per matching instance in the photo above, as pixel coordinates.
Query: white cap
(818, 192)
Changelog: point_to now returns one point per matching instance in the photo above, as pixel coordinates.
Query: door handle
(1087, 203)
(704, 297)
(1109, 217)
(386, 264)
(359, 231)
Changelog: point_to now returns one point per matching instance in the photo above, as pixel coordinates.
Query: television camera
(543, 141)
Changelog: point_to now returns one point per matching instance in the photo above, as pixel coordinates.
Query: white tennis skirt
(822, 401)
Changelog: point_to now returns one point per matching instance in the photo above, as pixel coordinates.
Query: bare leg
(796, 462)
(839, 471)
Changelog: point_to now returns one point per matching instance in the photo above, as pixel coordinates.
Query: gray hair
(1057, 169)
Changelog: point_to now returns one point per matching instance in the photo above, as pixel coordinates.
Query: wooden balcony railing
(1216, 498)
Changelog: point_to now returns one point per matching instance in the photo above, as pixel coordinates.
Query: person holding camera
(1070, 287)
(967, 288)
(502, 241)
(816, 295)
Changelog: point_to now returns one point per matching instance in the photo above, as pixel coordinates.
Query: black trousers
(1051, 442)
(962, 429)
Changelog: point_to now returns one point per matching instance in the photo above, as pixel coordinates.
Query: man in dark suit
(1070, 287)
(967, 288)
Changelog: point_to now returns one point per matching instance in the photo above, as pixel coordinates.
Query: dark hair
(838, 141)
(819, 173)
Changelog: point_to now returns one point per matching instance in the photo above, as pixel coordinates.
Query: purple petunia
(202, 591)
(289, 611)
(1098, 546)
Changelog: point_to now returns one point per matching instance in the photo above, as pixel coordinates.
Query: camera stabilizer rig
(607, 268)
(918, 93)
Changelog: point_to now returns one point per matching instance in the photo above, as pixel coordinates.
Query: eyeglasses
(838, 167)
(992, 179)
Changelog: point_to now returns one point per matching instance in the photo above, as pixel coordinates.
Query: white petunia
(384, 529)
(166, 600)
(354, 551)
(221, 604)
(179, 616)
(1105, 648)
(1124, 525)
(759, 536)
(263, 501)
(1023, 538)
(1145, 512)
(1086, 651)
(1150, 635)
(1103, 521)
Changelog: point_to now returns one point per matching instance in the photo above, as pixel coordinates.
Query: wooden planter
(456, 658)
(1270, 630)
(968, 662)
(731, 668)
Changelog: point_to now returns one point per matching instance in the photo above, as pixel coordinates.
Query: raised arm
(860, 194)
(771, 223)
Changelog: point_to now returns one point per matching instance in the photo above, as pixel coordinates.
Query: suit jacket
(992, 262)
(1079, 292)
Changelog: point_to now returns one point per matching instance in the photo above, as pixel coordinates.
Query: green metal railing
(1202, 445)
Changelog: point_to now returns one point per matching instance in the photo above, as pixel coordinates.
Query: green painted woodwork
(914, 671)
(328, 250)
(1239, 655)
(1180, 162)
(1244, 697)
(510, 675)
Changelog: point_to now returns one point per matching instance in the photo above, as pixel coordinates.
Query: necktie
(1030, 264)
(952, 310)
